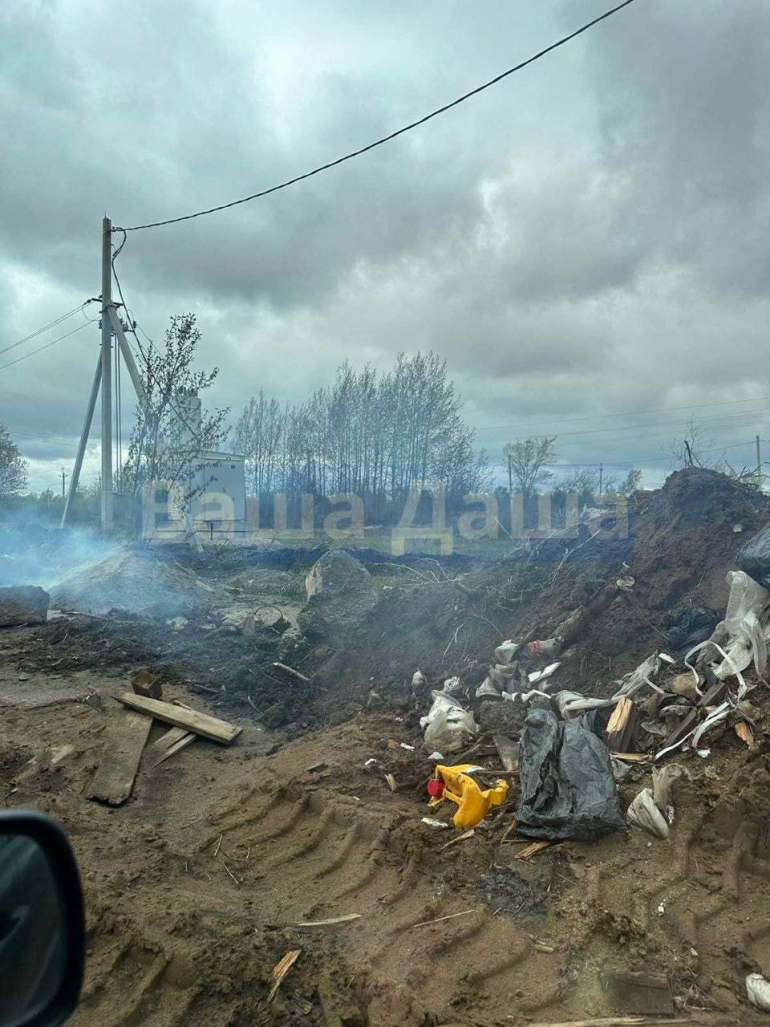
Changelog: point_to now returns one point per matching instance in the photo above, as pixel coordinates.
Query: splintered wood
(114, 780)
(532, 850)
(280, 970)
(621, 726)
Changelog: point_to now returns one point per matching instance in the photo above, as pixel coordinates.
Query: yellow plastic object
(473, 803)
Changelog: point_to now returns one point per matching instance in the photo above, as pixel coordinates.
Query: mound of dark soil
(681, 543)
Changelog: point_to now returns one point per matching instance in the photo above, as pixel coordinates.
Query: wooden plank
(186, 739)
(200, 723)
(166, 740)
(508, 751)
(114, 779)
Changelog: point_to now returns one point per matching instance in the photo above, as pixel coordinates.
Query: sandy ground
(193, 887)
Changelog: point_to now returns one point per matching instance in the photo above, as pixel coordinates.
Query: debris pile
(571, 747)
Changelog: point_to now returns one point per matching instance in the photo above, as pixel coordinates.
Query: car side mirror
(42, 931)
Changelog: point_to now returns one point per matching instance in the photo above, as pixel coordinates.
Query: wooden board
(114, 779)
(199, 723)
(175, 739)
(508, 751)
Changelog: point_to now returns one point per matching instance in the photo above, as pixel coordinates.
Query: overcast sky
(590, 237)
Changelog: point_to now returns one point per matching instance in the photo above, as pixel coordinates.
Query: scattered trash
(453, 687)
(643, 813)
(546, 648)
(436, 757)
(448, 726)
(567, 786)
(541, 675)
(754, 558)
(391, 782)
(661, 909)
(178, 623)
(758, 991)
(409, 748)
(626, 582)
(688, 627)
(314, 767)
(458, 786)
(418, 680)
(432, 822)
(370, 762)
(506, 651)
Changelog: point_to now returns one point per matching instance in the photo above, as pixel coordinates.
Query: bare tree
(696, 448)
(13, 469)
(528, 461)
(376, 435)
(172, 432)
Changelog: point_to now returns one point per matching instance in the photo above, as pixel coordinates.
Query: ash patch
(507, 890)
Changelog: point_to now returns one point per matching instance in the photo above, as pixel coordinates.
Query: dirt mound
(132, 579)
(681, 542)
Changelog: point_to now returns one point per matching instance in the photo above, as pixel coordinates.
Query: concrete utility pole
(63, 488)
(106, 375)
(759, 466)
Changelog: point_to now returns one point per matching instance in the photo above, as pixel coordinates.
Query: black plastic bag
(689, 627)
(567, 787)
(754, 558)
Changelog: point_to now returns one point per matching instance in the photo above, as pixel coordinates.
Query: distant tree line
(374, 434)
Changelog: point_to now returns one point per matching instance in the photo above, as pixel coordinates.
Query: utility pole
(759, 466)
(601, 479)
(63, 487)
(106, 375)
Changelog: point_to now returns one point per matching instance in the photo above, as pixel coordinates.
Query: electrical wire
(48, 345)
(388, 138)
(527, 425)
(45, 328)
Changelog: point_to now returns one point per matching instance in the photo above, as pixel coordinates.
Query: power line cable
(629, 413)
(48, 345)
(45, 328)
(391, 136)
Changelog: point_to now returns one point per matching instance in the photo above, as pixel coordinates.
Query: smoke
(33, 554)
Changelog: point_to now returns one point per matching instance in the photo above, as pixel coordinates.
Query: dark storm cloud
(588, 237)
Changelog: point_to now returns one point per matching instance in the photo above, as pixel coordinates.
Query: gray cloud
(587, 238)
